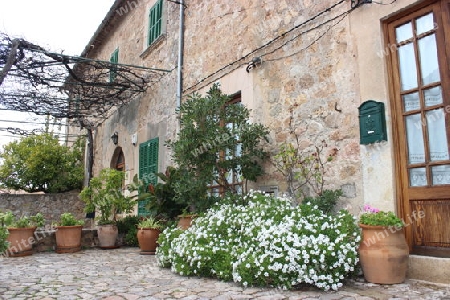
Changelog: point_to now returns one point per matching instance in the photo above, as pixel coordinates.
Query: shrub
(39, 163)
(128, 227)
(104, 193)
(131, 238)
(211, 128)
(326, 201)
(3, 234)
(267, 242)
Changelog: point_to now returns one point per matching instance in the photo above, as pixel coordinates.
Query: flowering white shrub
(267, 242)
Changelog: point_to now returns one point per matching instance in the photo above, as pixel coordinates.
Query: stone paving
(124, 274)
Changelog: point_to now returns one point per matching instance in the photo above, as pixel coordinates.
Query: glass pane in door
(425, 23)
(418, 177)
(416, 148)
(440, 174)
(429, 65)
(433, 96)
(408, 71)
(437, 136)
(404, 32)
(411, 102)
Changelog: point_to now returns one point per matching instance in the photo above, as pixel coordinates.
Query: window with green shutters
(155, 22)
(148, 167)
(115, 60)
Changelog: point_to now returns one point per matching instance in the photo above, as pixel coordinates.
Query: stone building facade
(303, 68)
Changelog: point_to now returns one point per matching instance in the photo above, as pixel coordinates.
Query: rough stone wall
(305, 85)
(51, 206)
(152, 114)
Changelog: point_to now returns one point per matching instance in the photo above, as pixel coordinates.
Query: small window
(114, 60)
(155, 22)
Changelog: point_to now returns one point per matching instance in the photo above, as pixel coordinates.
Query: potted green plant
(160, 197)
(104, 194)
(185, 219)
(148, 233)
(383, 250)
(21, 233)
(68, 234)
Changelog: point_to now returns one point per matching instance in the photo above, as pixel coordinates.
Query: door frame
(398, 129)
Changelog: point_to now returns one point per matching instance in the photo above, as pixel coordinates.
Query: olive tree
(216, 141)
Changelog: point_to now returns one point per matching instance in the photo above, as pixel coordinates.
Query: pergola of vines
(85, 91)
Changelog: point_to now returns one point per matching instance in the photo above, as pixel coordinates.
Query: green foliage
(150, 222)
(128, 227)
(215, 140)
(68, 219)
(9, 220)
(3, 233)
(161, 199)
(325, 202)
(104, 194)
(3, 236)
(381, 218)
(267, 242)
(38, 163)
(131, 238)
(125, 224)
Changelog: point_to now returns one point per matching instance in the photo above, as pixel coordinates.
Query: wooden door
(418, 62)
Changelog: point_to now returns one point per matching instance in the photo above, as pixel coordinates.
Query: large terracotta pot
(21, 241)
(185, 221)
(107, 236)
(68, 239)
(383, 254)
(147, 238)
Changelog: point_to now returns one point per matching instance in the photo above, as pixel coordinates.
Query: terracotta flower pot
(185, 221)
(147, 238)
(383, 254)
(21, 241)
(107, 236)
(68, 239)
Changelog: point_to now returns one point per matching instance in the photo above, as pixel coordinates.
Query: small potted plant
(104, 194)
(185, 219)
(21, 233)
(383, 250)
(148, 233)
(68, 234)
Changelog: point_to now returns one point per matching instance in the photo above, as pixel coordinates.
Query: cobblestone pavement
(124, 274)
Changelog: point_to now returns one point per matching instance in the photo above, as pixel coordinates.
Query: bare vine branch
(35, 80)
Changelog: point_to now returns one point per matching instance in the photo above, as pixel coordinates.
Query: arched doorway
(118, 160)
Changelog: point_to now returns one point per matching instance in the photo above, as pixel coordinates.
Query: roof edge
(108, 18)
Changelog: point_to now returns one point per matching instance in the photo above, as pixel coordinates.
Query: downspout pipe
(180, 56)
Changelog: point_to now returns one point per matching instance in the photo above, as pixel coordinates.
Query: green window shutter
(155, 22)
(148, 167)
(115, 60)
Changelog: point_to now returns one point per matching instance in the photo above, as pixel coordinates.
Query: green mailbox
(372, 122)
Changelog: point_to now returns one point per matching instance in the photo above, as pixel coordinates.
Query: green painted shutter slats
(148, 167)
(155, 22)
(115, 60)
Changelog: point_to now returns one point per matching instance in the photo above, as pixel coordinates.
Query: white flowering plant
(266, 242)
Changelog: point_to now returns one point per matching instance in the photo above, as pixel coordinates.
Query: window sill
(156, 43)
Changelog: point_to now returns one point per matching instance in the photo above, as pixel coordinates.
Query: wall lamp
(115, 138)
(255, 62)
